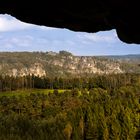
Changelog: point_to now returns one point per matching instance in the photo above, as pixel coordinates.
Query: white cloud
(21, 42)
(13, 42)
(46, 28)
(99, 37)
(9, 23)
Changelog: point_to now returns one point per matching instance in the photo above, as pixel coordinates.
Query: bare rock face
(36, 70)
(87, 16)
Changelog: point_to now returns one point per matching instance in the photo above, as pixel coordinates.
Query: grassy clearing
(28, 92)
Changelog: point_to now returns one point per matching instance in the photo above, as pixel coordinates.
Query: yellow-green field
(29, 91)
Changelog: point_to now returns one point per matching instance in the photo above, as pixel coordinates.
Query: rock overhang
(85, 16)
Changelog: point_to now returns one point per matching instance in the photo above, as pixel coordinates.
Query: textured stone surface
(88, 15)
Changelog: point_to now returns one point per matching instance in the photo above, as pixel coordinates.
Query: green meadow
(27, 92)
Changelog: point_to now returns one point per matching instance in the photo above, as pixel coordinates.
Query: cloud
(21, 42)
(105, 37)
(16, 42)
(9, 23)
(46, 28)
(99, 38)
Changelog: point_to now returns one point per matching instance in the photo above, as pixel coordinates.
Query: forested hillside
(64, 64)
(59, 96)
(95, 108)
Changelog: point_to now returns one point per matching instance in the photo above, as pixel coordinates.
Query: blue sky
(18, 36)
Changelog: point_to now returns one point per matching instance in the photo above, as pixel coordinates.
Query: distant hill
(65, 64)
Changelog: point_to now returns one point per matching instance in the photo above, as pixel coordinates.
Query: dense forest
(103, 107)
(108, 82)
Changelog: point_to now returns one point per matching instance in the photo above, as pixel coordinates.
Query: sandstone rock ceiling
(87, 15)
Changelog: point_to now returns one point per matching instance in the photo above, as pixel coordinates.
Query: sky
(19, 36)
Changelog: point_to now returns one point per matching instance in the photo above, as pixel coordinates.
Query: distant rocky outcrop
(36, 69)
(64, 64)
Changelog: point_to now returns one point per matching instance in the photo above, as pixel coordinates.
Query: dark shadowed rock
(88, 16)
